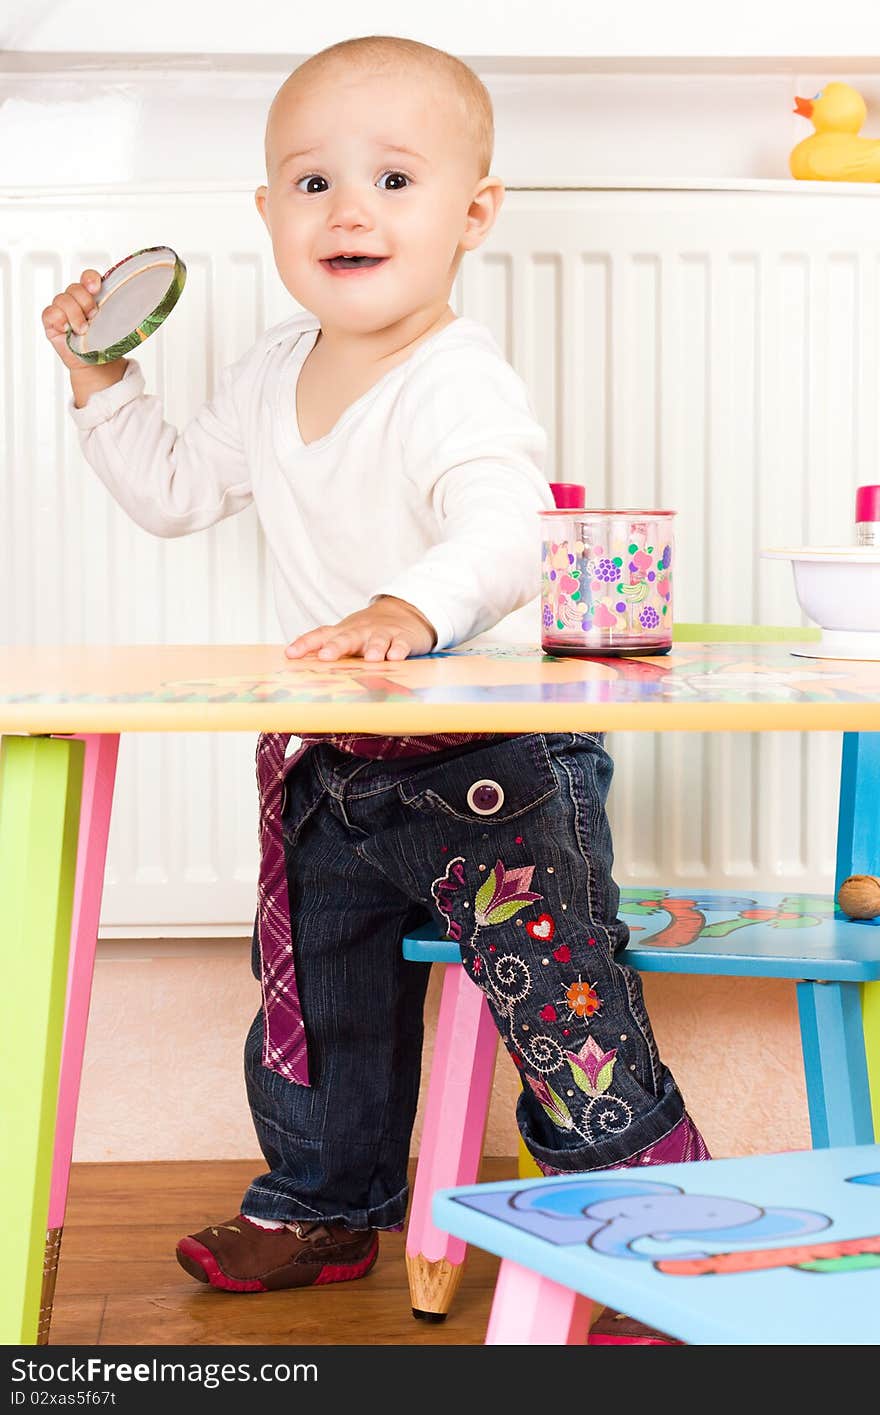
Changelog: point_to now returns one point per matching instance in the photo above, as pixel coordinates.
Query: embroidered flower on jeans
(591, 1067)
(444, 891)
(583, 999)
(503, 894)
(553, 1105)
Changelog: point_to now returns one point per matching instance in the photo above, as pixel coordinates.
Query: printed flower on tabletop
(503, 894)
(444, 891)
(583, 999)
(551, 1104)
(591, 1067)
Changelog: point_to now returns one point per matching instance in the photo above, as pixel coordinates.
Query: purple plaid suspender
(284, 1036)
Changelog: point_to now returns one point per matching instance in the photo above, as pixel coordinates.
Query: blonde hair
(379, 51)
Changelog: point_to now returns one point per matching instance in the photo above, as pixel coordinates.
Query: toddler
(397, 471)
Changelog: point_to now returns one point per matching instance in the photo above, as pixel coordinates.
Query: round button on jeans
(485, 798)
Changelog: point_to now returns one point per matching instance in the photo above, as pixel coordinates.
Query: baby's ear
(482, 212)
(260, 196)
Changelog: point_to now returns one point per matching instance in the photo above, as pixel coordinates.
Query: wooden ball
(859, 896)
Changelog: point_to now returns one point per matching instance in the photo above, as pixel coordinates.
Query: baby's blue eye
(312, 184)
(393, 181)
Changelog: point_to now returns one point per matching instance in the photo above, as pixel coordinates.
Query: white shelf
(785, 185)
(776, 186)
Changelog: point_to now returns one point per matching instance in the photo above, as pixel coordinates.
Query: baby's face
(379, 167)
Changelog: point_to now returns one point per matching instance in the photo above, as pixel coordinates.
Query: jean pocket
(303, 791)
(493, 784)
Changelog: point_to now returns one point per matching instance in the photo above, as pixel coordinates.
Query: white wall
(518, 28)
(137, 121)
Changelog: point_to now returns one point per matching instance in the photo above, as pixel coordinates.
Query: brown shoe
(239, 1256)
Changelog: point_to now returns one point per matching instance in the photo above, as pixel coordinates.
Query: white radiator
(709, 350)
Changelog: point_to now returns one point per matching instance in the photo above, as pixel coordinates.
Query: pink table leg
(99, 774)
(530, 1310)
(452, 1138)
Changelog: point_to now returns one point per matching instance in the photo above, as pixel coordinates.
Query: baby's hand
(71, 309)
(390, 628)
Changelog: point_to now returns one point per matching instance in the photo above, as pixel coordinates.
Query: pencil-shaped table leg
(40, 785)
(452, 1137)
(530, 1310)
(99, 774)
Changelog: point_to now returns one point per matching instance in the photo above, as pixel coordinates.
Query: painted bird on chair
(835, 152)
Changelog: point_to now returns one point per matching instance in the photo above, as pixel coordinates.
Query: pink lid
(868, 503)
(568, 494)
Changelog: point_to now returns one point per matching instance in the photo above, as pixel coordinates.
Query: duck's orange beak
(804, 107)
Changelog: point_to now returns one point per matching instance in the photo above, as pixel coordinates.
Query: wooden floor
(119, 1282)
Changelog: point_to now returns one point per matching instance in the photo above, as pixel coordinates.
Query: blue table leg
(858, 818)
(836, 1072)
(858, 853)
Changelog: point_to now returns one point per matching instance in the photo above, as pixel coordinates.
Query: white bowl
(838, 587)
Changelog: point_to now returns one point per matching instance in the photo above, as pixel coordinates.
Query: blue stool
(760, 935)
(791, 1242)
(795, 936)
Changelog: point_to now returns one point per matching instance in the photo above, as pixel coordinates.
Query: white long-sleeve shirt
(427, 487)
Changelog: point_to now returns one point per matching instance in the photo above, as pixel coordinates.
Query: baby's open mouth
(353, 262)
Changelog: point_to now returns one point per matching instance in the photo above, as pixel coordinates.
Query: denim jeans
(519, 873)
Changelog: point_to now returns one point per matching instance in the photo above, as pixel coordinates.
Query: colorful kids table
(768, 1250)
(62, 710)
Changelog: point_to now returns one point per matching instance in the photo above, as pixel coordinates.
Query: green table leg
(40, 788)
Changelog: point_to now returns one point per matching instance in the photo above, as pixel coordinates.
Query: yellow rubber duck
(835, 152)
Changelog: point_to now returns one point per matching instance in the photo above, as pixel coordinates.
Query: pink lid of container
(569, 495)
(868, 503)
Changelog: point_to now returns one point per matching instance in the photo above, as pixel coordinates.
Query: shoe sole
(200, 1263)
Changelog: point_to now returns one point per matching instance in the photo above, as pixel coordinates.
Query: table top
(767, 1250)
(490, 688)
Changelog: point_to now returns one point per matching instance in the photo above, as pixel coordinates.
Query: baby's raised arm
(72, 309)
(171, 483)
